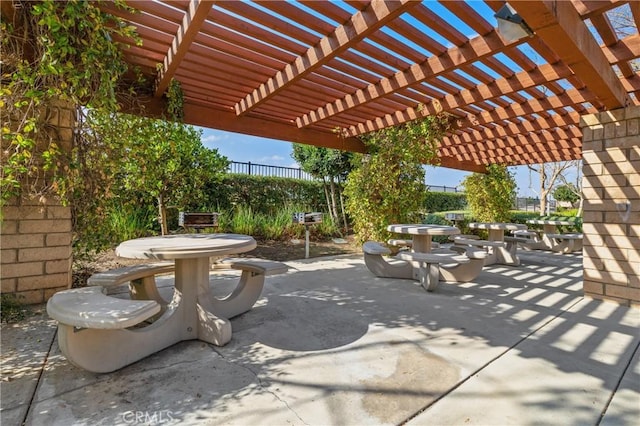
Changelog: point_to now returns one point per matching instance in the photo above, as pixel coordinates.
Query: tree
(566, 193)
(624, 25)
(387, 185)
(160, 159)
(490, 196)
(330, 165)
(576, 187)
(549, 174)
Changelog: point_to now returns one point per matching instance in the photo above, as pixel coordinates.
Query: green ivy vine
(54, 53)
(175, 101)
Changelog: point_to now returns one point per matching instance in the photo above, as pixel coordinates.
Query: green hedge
(264, 194)
(444, 201)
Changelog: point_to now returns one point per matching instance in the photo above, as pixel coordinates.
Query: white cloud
(272, 159)
(214, 138)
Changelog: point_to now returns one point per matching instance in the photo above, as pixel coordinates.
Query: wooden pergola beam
(360, 26)
(532, 106)
(513, 155)
(559, 25)
(504, 86)
(453, 162)
(212, 117)
(474, 50)
(187, 32)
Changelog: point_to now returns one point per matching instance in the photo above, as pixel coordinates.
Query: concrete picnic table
(498, 253)
(549, 235)
(422, 233)
(107, 339)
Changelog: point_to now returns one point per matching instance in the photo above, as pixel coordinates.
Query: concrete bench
(525, 233)
(375, 248)
(141, 279)
(89, 307)
(568, 242)
(249, 288)
(376, 258)
(464, 272)
(408, 243)
(464, 236)
(400, 243)
(256, 266)
(478, 243)
(513, 241)
(429, 265)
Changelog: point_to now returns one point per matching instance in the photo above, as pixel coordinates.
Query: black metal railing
(439, 188)
(256, 169)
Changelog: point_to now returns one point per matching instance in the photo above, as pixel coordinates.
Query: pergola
(326, 72)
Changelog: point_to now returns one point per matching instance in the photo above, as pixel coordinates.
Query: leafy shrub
(265, 194)
(437, 219)
(444, 201)
(387, 185)
(490, 196)
(517, 216)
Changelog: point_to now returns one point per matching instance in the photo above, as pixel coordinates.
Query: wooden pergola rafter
(326, 73)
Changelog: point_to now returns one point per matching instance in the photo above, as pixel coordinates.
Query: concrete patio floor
(330, 344)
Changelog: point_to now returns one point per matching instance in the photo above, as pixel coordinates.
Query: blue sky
(240, 147)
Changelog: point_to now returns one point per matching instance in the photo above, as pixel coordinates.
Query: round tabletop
(184, 246)
(549, 222)
(420, 229)
(493, 226)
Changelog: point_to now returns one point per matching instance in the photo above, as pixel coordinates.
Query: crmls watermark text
(147, 417)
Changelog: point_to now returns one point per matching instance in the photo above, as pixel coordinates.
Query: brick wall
(35, 237)
(611, 186)
(36, 250)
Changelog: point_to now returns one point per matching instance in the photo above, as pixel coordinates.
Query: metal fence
(532, 204)
(437, 188)
(256, 169)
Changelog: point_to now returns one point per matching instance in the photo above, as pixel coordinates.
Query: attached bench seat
(429, 265)
(478, 242)
(89, 307)
(566, 236)
(569, 242)
(408, 243)
(460, 264)
(141, 278)
(376, 257)
(256, 266)
(249, 288)
(400, 243)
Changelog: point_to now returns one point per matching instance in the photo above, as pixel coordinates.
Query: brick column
(611, 187)
(35, 241)
(36, 250)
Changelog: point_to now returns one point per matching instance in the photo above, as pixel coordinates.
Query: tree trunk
(580, 207)
(344, 213)
(162, 218)
(543, 190)
(334, 204)
(327, 197)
